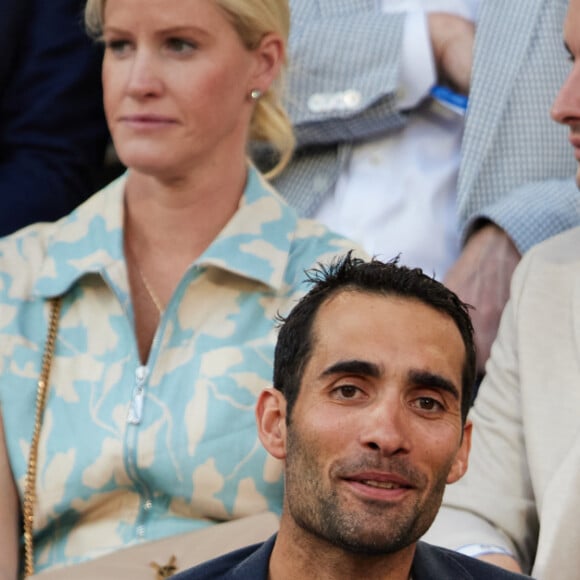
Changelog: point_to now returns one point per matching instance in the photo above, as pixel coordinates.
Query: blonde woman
(169, 281)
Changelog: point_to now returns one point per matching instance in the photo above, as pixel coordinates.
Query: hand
(452, 38)
(481, 277)
(503, 561)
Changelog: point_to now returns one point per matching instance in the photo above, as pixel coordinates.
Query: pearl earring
(255, 94)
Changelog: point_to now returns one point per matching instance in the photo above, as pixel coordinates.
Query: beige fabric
(524, 471)
(192, 548)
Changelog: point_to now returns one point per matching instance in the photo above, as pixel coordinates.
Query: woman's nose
(145, 78)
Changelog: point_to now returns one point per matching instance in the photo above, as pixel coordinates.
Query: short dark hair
(348, 273)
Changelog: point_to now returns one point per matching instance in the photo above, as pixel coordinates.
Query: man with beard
(373, 376)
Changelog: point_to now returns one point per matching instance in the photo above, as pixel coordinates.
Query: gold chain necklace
(152, 295)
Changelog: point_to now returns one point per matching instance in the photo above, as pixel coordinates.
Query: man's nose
(566, 107)
(386, 428)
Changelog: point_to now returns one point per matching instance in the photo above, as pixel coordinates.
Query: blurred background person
(518, 503)
(358, 96)
(52, 127)
(378, 156)
(516, 185)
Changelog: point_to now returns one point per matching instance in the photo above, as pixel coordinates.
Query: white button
(351, 99)
(148, 505)
(141, 531)
(318, 103)
(341, 101)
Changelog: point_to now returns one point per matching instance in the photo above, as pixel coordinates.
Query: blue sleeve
(534, 212)
(52, 128)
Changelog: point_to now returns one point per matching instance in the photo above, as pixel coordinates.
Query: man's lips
(380, 477)
(379, 485)
(575, 142)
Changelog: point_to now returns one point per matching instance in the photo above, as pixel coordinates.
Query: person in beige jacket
(519, 499)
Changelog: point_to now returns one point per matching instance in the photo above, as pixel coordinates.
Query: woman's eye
(180, 46)
(117, 47)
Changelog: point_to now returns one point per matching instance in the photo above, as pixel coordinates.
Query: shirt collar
(254, 244)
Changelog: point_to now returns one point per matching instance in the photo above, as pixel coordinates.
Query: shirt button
(148, 505)
(140, 531)
(318, 103)
(351, 99)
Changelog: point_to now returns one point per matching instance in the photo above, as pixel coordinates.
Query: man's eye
(428, 404)
(347, 391)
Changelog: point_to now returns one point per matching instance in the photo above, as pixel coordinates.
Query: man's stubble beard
(373, 530)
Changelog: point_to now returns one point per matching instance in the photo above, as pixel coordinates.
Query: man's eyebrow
(567, 48)
(427, 379)
(353, 367)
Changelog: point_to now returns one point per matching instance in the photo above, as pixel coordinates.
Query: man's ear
(270, 55)
(461, 461)
(271, 420)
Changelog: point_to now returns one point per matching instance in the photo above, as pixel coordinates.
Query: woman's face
(176, 81)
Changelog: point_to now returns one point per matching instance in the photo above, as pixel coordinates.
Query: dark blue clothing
(52, 127)
(430, 563)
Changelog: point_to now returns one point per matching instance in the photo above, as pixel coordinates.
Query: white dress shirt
(397, 194)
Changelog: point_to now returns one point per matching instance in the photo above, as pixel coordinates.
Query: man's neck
(299, 554)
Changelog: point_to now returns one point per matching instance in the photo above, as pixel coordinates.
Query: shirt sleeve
(418, 74)
(344, 71)
(551, 206)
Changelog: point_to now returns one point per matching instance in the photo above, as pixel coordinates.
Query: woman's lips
(146, 121)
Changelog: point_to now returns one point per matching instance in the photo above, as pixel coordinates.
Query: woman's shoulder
(323, 241)
(311, 241)
(35, 249)
(23, 253)
(315, 245)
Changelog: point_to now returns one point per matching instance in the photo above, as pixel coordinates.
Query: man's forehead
(354, 298)
(372, 317)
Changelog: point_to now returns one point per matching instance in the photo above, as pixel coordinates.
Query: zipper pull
(136, 405)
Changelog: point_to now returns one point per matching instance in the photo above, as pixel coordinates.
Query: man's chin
(374, 545)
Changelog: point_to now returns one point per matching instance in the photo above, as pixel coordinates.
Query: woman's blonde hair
(252, 19)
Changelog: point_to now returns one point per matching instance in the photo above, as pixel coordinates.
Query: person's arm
(9, 515)
(452, 40)
(52, 128)
(497, 236)
(481, 277)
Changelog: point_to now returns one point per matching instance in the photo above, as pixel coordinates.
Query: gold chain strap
(30, 487)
